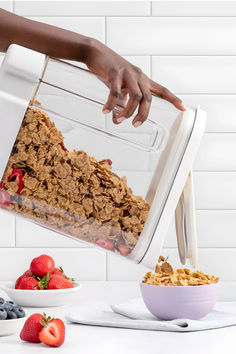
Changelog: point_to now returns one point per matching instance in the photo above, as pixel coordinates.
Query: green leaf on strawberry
(43, 283)
(46, 319)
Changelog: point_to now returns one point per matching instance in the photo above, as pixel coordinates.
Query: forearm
(123, 79)
(49, 40)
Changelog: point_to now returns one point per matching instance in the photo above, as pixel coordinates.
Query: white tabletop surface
(100, 340)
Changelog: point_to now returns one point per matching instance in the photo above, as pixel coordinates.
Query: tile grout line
(93, 248)
(105, 29)
(150, 61)
(15, 231)
(105, 40)
(106, 274)
(25, 14)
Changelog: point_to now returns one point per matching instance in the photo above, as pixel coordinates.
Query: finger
(122, 103)
(135, 96)
(114, 95)
(144, 107)
(167, 95)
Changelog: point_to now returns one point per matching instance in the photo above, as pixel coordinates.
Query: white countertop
(101, 340)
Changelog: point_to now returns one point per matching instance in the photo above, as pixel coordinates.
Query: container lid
(175, 189)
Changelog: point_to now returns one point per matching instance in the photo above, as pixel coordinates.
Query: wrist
(91, 47)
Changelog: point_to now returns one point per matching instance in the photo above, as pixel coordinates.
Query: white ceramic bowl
(8, 327)
(40, 298)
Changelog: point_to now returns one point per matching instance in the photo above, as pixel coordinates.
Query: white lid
(176, 168)
(186, 225)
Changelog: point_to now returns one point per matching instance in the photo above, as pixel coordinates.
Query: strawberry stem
(46, 320)
(43, 283)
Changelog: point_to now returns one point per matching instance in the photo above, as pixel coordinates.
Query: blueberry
(11, 315)
(12, 303)
(1, 300)
(19, 312)
(3, 313)
(7, 307)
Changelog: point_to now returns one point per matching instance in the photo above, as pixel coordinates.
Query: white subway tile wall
(81, 263)
(82, 8)
(6, 5)
(193, 8)
(88, 26)
(172, 35)
(196, 74)
(187, 46)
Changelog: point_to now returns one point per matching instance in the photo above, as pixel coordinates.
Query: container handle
(185, 224)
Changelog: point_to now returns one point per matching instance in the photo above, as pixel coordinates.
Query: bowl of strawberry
(42, 285)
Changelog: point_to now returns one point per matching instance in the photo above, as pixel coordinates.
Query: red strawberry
(109, 162)
(31, 328)
(53, 332)
(4, 197)
(41, 265)
(108, 244)
(58, 282)
(59, 271)
(28, 283)
(124, 250)
(24, 275)
(63, 147)
(18, 281)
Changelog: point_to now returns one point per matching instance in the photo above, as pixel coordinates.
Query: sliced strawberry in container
(107, 244)
(63, 147)
(17, 177)
(124, 250)
(4, 197)
(108, 161)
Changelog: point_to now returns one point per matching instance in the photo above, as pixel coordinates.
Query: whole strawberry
(29, 283)
(60, 271)
(42, 265)
(26, 274)
(59, 282)
(31, 328)
(53, 332)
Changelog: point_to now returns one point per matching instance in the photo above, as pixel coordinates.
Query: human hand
(127, 84)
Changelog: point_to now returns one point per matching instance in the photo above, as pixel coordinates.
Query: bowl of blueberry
(12, 317)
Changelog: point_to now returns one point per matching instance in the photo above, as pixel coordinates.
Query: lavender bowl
(171, 302)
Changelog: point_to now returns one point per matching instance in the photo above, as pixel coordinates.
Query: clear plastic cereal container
(66, 166)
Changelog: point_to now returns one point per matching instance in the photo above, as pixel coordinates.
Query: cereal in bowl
(165, 275)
